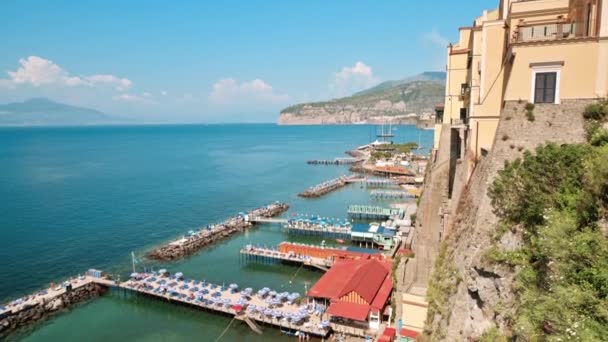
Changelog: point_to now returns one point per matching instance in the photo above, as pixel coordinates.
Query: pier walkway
(266, 306)
(380, 183)
(316, 226)
(267, 220)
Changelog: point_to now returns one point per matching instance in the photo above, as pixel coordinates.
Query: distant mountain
(45, 112)
(436, 76)
(404, 101)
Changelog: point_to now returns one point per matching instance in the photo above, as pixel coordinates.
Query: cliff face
(467, 295)
(401, 102)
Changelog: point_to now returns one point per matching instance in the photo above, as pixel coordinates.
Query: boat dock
(336, 161)
(390, 194)
(265, 307)
(371, 212)
(325, 187)
(193, 241)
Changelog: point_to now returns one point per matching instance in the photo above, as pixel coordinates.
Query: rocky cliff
(402, 101)
(467, 295)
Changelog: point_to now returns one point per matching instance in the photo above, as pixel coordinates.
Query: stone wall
(44, 310)
(484, 295)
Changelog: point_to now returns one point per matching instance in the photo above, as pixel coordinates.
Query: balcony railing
(459, 122)
(548, 31)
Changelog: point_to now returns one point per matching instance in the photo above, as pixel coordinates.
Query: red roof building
(355, 288)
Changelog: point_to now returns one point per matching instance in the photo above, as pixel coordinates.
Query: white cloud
(228, 91)
(435, 38)
(37, 71)
(352, 79)
(145, 97)
(121, 84)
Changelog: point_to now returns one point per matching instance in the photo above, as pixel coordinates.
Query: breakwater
(43, 304)
(325, 187)
(196, 240)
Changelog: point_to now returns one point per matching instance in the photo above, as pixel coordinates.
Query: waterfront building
(526, 51)
(356, 292)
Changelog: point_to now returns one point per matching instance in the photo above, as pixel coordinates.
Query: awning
(356, 312)
(408, 333)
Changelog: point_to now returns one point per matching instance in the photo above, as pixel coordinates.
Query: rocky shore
(188, 245)
(26, 315)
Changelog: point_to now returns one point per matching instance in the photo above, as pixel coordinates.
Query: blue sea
(75, 198)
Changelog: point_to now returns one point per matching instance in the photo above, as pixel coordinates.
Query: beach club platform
(266, 307)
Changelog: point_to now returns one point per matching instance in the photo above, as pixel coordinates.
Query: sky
(218, 61)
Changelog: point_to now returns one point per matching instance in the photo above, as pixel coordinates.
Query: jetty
(193, 241)
(390, 194)
(325, 187)
(264, 307)
(336, 161)
(318, 226)
(372, 212)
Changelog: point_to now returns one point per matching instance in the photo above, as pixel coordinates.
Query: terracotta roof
(383, 294)
(357, 312)
(391, 332)
(408, 333)
(364, 277)
(384, 338)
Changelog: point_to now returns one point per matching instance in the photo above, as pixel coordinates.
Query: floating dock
(372, 212)
(194, 241)
(265, 307)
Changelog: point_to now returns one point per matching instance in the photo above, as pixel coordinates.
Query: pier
(371, 212)
(267, 255)
(390, 194)
(336, 161)
(195, 240)
(380, 183)
(318, 226)
(325, 187)
(265, 307)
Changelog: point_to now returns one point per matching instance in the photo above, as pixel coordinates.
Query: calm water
(77, 198)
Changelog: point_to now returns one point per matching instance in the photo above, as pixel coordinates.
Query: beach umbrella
(233, 286)
(134, 275)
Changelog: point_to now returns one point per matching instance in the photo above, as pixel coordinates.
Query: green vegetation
(384, 152)
(530, 111)
(443, 285)
(559, 198)
(419, 96)
(596, 115)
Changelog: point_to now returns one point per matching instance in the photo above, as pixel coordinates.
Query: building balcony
(549, 31)
(523, 6)
(459, 123)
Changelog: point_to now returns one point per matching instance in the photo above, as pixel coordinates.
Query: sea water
(75, 198)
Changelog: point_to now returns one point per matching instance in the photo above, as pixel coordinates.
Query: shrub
(530, 111)
(505, 137)
(596, 111)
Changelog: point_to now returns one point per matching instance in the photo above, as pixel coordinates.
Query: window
(545, 87)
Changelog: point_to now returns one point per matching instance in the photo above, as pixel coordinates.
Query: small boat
(340, 241)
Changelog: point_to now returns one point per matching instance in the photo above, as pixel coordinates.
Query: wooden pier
(195, 241)
(371, 212)
(265, 307)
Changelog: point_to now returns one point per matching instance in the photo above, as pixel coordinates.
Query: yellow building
(537, 51)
